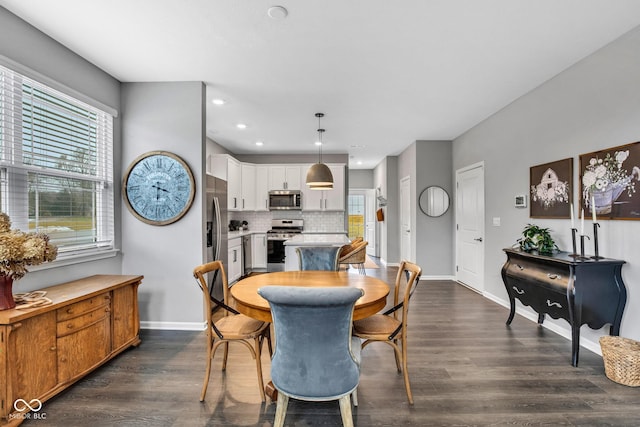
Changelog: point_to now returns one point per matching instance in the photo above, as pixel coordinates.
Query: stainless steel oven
(281, 230)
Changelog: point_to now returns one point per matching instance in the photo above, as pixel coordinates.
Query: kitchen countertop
(235, 234)
(324, 239)
(325, 232)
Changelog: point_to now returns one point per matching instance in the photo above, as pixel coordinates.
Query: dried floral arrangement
(19, 249)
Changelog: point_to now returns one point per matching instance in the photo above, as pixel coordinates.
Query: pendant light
(319, 175)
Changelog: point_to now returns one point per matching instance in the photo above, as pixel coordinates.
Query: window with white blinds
(56, 165)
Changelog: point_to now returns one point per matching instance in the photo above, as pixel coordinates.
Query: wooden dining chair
(355, 253)
(230, 327)
(391, 326)
(318, 257)
(313, 359)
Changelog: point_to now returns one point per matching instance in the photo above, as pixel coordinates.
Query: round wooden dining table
(250, 303)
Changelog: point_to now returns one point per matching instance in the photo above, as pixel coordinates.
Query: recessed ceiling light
(259, 143)
(318, 143)
(241, 126)
(219, 101)
(356, 146)
(277, 12)
(359, 162)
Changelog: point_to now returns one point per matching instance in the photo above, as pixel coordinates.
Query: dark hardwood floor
(467, 369)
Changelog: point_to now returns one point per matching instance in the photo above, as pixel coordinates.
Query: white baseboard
(453, 278)
(533, 316)
(174, 326)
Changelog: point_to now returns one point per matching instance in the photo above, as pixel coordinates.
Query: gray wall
(291, 158)
(434, 241)
(22, 43)
(361, 178)
(593, 105)
(428, 163)
(171, 117)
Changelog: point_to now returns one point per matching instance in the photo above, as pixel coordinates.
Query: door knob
(479, 239)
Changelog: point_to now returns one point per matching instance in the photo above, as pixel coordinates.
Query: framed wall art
(551, 190)
(609, 181)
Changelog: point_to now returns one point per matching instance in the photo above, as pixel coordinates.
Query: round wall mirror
(434, 201)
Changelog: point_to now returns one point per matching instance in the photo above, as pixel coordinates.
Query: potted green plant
(536, 238)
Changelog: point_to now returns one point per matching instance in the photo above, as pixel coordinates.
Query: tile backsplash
(326, 222)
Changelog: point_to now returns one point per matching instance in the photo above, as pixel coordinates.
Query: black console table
(579, 290)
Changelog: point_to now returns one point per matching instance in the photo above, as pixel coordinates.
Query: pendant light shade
(319, 176)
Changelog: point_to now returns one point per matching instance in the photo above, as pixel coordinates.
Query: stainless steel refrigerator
(217, 230)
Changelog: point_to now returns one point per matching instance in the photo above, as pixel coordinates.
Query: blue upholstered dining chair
(318, 257)
(313, 358)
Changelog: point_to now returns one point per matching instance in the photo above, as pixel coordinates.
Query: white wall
(170, 117)
(593, 105)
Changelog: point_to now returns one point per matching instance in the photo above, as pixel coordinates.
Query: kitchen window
(56, 165)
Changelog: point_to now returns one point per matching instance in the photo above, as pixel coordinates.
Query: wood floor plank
(467, 368)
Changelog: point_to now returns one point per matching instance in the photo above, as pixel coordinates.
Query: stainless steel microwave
(285, 200)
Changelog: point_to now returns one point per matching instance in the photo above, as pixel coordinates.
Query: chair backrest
(313, 358)
(318, 257)
(356, 253)
(200, 273)
(407, 279)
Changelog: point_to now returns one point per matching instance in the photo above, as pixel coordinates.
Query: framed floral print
(608, 182)
(551, 190)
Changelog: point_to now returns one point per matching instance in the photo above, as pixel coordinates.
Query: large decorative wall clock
(158, 188)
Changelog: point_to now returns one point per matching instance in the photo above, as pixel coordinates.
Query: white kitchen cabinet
(262, 188)
(284, 177)
(326, 200)
(234, 260)
(227, 168)
(248, 185)
(259, 250)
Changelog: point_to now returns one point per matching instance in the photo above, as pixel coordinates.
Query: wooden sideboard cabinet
(45, 350)
(583, 291)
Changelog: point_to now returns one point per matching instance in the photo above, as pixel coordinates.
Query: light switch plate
(496, 221)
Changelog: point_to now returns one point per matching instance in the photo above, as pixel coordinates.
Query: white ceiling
(385, 73)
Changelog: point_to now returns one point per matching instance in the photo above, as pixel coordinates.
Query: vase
(6, 293)
(604, 199)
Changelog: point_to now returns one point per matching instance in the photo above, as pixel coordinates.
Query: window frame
(14, 182)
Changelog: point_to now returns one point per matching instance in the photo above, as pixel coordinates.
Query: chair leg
(226, 354)
(258, 356)
(405, 371)
(268, 335)
(207, 372)
(354, 397)
(396, 352)
(345, 411)
(361, 269)
(281, 410)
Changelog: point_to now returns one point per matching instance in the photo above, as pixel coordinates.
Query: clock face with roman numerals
(158, 188)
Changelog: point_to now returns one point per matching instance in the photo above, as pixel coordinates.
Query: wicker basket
(621, 359)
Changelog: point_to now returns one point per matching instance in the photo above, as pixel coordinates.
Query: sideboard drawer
(82, 307)
(542, 300)
(71, 326)
(554, 277)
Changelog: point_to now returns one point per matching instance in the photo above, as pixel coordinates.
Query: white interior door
(405, 219)
(470, 226)
(370, 222)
